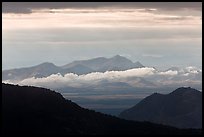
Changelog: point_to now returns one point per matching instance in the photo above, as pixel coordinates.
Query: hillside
(31, 110)
(181, 108)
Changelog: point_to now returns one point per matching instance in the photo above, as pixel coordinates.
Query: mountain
(102, 64)
(77, 69)
(38, 111)
(138, 65)
(80, 67)
(41, 70)
(182, 108)
(118, 63)
(94, 63)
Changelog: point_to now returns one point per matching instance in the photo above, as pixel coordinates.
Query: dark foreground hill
(38, 111)
(182, 108)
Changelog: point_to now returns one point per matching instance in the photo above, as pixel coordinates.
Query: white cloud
(74, 80)
(192, 69)
(158, 78)
(186, 74)
(169, 72)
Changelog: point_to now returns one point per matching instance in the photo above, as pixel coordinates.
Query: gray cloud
(71, 36)
(26, 7)
(177, 18)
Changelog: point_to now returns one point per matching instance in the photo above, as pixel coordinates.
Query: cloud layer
(93, 15)
(138, 77)
(71, 31)
(26, 7)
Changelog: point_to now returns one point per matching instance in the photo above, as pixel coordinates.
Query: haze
(159, 35)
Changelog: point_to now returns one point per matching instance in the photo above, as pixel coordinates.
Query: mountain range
(100, 64)
(30, 110)
(101, 72)
(181, 108)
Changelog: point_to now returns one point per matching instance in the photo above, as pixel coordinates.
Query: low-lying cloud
(169, 72)
(137, 77)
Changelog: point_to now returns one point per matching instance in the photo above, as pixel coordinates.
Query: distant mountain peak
(138, 64)
(99, 64)
(46, 64)
(117, 56)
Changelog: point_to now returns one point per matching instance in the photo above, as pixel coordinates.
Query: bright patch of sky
(159, 36)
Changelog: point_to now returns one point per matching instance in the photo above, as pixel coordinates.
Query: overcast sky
(161, 35)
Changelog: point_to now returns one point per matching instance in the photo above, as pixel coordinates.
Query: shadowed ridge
(181, 108)
(38, 111)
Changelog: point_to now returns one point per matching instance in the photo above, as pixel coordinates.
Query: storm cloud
(27, 7)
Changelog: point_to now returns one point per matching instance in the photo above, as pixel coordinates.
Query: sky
(160, 35)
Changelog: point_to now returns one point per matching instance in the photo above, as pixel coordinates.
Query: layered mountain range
(100, 64)
(102, 72)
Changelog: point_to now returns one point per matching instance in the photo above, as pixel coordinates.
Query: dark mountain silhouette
(80, 67)
(182, 108)
(38, 111)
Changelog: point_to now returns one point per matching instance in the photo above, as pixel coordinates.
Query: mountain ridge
(79, 67)
(181, 108)
(28, 110)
